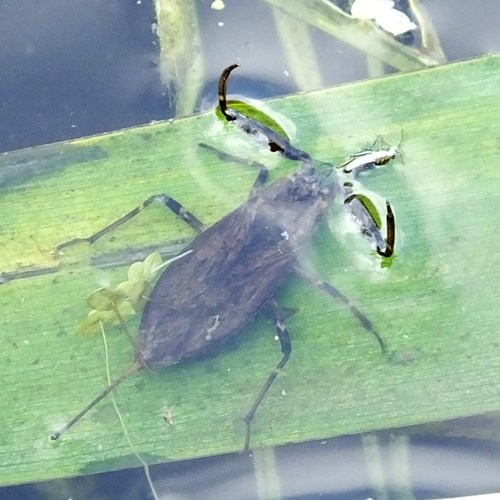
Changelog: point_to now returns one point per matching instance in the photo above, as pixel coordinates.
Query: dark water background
(72, 68)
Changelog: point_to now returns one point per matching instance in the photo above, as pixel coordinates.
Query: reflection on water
(96, 70)
(386, 465)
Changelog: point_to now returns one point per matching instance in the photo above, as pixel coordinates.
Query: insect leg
(180, 211)
(334, 292)
(260, 132)
(169, 202)
(223, 91)
(369, 226)
(286, 348)
(263, 171)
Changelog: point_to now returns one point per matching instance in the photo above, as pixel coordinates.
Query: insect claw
(223, 92)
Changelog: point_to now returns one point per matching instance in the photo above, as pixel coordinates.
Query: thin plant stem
(145, 466)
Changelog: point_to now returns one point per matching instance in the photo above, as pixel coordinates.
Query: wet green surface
(436, 305)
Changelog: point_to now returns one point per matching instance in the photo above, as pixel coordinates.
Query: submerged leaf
(372, 209)
(103, 299)
(125, 299)
(92, 323)
(256, 114)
